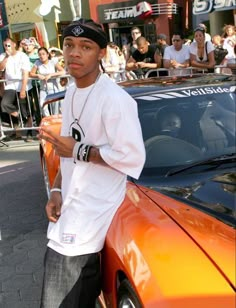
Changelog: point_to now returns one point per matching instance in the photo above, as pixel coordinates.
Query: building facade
(46, 19)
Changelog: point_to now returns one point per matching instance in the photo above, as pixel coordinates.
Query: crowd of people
(140, 55)
(31, 71)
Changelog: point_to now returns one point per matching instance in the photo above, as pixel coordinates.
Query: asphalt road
(23, 225)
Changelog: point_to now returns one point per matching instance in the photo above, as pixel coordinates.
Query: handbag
(220, 54)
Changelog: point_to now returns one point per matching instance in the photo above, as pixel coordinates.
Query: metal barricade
(218, 69)
(9, 124)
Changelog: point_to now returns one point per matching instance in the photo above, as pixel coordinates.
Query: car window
(181, 129)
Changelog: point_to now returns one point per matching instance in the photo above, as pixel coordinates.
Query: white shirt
(14, 67)
(46, 69)
(181, 56)
(92, 193)
(193, 50)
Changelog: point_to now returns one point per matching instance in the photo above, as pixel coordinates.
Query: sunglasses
(176, 40)
(199, 29)
(7, 45)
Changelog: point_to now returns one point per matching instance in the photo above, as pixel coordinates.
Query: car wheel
(45, 176)
(127, 297)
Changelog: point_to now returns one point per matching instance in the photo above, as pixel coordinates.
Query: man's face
(177, 42)
(28, 47)
(81, 55)
(143, 47)
(135, 34)
(8, 45)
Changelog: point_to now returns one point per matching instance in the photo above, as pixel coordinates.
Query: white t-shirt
(45, 69)
(14, 66)
(180, 56)
(193, 50)
(106, 118)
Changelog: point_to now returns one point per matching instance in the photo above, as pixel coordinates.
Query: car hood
(206, 212)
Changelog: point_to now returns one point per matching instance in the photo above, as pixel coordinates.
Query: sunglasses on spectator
(199, 29)
(7, 45)
(176, 40)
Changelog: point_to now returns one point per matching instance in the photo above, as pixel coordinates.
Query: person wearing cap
(97, 151)
(162, 43)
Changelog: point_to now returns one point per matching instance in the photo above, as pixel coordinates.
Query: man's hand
(53, 207)
(63, 146)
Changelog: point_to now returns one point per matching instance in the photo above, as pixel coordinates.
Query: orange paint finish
(162, 262)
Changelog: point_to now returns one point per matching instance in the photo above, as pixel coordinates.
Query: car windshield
(186, 126)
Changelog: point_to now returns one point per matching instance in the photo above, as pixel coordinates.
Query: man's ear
(101, 54)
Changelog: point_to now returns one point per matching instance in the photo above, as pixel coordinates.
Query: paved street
(23, 225)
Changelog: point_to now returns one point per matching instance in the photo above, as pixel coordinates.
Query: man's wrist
(81, 151)
(55, 189)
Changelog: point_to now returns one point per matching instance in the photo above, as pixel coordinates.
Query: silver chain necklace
(85, 102)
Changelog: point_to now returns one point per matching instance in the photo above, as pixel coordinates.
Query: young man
(144, 58)
(17, 67)
(131, 47)
(100, 143)
(177, 56)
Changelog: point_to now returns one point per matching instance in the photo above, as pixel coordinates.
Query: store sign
(207, 6)
(142, 9)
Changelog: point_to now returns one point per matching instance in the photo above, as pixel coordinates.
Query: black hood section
(211, 192)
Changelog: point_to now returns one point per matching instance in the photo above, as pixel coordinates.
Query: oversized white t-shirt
(105, 116)
(180, 56)
(14, 66)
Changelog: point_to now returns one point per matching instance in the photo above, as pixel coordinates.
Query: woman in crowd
(114, 62)
(229, 41)
(46, 70)
(201, 51)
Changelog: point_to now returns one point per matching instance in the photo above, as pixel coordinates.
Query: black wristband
(83, 152)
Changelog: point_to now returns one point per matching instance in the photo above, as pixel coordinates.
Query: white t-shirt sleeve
(125, 149)
(167, 54)
(25, 62)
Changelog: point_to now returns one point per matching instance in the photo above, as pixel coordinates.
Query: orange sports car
(172, 242)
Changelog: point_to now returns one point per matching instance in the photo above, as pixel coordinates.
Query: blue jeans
(70, 282)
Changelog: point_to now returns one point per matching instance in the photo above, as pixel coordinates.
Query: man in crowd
(16, 65)
(177, 56)
(143, 59)
(131, 47)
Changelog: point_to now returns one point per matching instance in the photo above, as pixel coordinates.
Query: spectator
(162, 43)
(17, 67)
(201, 52)
(132, 47)
(143, 59)
(229, 41)
(110, 61)
(207, 35)
(231, 63)
(30, 47)
(160, 50)
(177, 56)
(46, 70)
(217, 41)
(56, 54)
